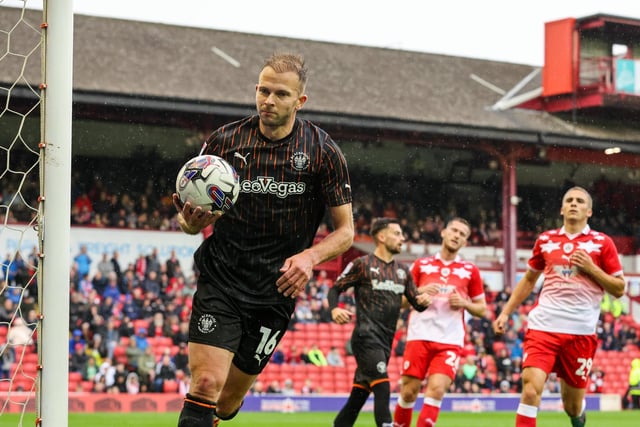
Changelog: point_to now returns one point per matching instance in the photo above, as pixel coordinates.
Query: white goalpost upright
(55, 212)
(36, 75)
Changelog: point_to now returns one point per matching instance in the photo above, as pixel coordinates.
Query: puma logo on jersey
(375, 270)
(240, 156)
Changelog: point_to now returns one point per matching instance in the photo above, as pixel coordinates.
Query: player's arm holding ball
(206, 187)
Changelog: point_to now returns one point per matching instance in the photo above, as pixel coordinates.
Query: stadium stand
(333, 379)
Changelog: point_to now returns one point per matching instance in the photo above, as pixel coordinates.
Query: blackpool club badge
(300, 161)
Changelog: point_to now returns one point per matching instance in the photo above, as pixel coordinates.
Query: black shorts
(252, 332)
(372, 362)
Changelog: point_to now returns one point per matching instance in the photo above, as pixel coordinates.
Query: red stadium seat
(139, 324)
(75, 376)
(498, 346)
(170, 386)
(30, 358)
(87, 386)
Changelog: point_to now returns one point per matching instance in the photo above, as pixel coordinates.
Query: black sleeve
(411, 291)
(348, 278)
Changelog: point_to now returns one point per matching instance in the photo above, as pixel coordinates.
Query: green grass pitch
(324, 419)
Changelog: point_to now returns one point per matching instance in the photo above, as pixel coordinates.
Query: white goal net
(35, 158)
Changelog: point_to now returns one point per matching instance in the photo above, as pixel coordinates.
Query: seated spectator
(258, 388)
(277, 357)
(90, 369)
(181, 359)
(303, 312)
(182, 335)
(133, 353)
(19, 333)
(626, 333)
(99, 282)
(156, 329)
(316, 356)
(112, 289)
(7, 309)
(126, 328)
(130, 308)
(334, 358)
(597, 380)
(552, 384)
(146, 366)
(294, 357)
(120, 376)
(505, 387)
(151, 283)
(470, 369)
(184, 382)
(97, 348)
(165, 370)
(484, 381)
(7, 358)
(274, 388)
(106, 376)
(308, 387)
(132, 383)
(287, 388)
(142, 342)
(504, 364)
(78, 359)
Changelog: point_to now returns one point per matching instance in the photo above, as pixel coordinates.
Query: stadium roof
(166, 75)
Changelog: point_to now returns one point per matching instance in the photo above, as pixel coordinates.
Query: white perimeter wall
(129, 243)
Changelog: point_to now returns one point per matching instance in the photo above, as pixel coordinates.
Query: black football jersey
(285, 186)
(378, 287)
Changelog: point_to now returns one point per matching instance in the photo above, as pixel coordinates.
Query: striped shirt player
(579, 265)
(262, 252)
(378, 287)
(289, 183)
(379, 283)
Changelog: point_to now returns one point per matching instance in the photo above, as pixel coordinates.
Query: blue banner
(451, 402)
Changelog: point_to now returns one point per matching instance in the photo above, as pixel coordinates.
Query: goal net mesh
(21, 46)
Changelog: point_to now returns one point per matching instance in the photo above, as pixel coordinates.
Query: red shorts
(569, 356)
(428, 357)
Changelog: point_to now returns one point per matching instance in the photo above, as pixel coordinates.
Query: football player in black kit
(261, 253)
(379, 283)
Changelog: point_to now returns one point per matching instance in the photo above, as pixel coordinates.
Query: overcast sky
(502, 30)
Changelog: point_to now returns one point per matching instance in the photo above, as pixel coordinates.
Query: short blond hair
(285, 62)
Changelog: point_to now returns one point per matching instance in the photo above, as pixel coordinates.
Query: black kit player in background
(379, 282)
(261, 253)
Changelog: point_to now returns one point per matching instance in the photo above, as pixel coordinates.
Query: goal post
(36, 87)
(55, 211)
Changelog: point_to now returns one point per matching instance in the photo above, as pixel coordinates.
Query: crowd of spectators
(107, 197)
(147, 204)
